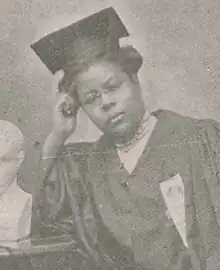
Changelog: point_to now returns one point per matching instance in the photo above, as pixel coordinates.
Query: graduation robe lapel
(173, 193)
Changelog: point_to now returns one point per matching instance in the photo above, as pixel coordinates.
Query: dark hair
(128, 58)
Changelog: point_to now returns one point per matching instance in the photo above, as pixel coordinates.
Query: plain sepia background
(179, 40)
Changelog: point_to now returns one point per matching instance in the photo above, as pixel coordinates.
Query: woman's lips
(116, 118)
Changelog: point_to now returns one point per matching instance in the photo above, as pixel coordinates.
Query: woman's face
(111, 98)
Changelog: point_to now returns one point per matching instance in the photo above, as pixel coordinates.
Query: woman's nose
(107, 103)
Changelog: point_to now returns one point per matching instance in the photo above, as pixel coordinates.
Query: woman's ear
(134, 78)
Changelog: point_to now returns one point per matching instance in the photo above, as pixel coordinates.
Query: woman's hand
(64, 124)
(65, 115)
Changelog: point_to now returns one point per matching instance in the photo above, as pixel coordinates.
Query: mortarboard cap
(82, 41)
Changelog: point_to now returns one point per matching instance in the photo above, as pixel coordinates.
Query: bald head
(11, 139)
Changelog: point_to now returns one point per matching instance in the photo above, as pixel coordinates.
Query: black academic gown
(178, 145)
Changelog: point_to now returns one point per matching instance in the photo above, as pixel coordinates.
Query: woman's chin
(122, 133)
(121, 128)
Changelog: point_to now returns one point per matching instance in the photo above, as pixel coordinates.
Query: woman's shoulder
(185, 128)
(176, 119)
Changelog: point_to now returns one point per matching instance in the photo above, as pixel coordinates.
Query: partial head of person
(11, 152)
(98, 72)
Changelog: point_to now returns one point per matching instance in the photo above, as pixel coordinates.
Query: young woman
(146, 194)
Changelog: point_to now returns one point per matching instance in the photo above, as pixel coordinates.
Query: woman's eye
(114, 86)
(91, 98)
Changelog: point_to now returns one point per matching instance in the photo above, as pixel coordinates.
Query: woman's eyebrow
(109, 81)
(90, 91)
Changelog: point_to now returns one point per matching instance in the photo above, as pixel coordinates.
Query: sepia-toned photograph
(110, 135)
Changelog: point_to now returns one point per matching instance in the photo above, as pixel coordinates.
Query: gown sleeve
(210, 144)
(58, 207)
(61, 179)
